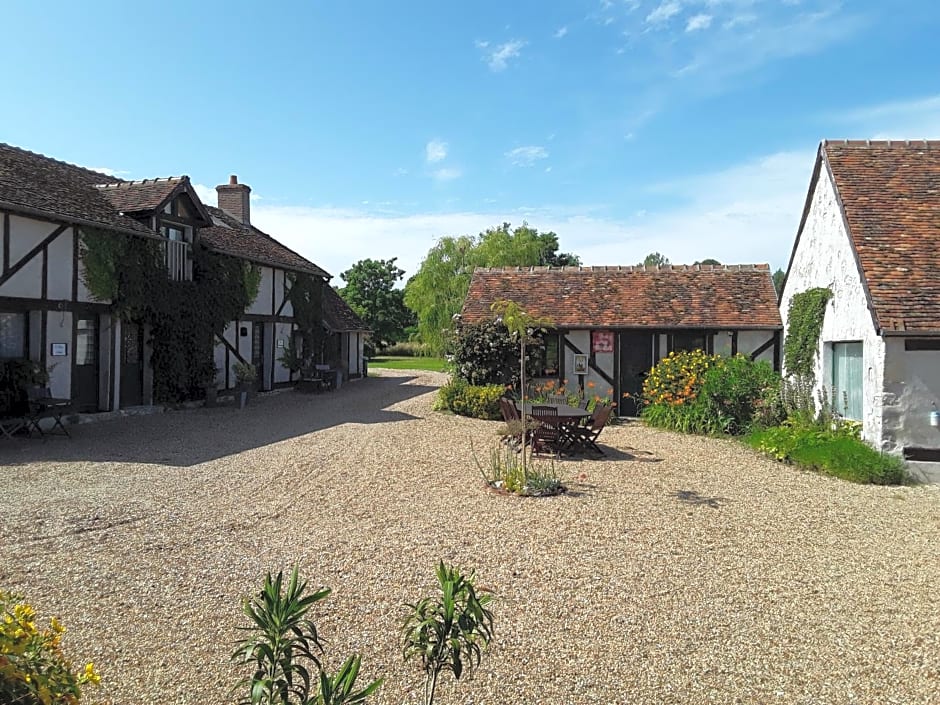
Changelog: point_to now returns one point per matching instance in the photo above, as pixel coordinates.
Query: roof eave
(62, 218)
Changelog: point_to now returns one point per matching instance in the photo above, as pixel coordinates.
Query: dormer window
(178, 262)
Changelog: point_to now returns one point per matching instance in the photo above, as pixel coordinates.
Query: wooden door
(85, 371)
(636, 359)
(132, 365)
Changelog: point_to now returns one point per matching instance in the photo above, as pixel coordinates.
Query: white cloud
(918, 118)
(498, 57)
(526, 156)
(698, 22)
(446, 174)
(664, 12)
(117, 173)
(435, 151)
(560, 32)
(745, 213)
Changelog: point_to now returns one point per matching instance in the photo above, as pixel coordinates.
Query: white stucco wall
(59, 283)
(282, 333)
(59, 330)
(824, 259)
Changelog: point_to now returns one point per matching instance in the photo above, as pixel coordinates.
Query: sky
(370, 129)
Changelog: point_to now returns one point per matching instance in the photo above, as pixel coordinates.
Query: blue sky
(369, 129)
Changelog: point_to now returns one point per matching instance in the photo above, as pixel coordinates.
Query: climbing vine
(804, 324)
(184, 316)
(306, 299)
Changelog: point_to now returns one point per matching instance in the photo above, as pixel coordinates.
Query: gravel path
(678, 570)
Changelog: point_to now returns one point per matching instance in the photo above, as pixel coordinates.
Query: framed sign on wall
(59, 349)
(580, 364)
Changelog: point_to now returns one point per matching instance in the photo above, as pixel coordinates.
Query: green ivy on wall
(306, 299)
(804, 325)
(184, 316)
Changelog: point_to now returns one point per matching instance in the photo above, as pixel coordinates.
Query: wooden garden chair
(585, 437)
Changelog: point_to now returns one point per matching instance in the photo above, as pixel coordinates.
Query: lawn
(432, 364)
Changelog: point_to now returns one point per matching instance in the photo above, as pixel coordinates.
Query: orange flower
(590, 385)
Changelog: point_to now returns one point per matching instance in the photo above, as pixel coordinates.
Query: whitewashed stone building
(869, 233)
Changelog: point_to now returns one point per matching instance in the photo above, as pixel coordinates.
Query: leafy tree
(370, 292)
(655, 259)
(709, 261)
(437, 292)
(778, 281)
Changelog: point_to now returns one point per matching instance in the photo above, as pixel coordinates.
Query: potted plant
(245, 375)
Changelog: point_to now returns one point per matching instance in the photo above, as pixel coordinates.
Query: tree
(437, 292)
(778, 277)
(370, 292)
(654, 259)
(709, 261)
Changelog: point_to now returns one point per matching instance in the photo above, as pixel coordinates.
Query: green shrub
(478, 402)
(837, 452)
(486, 353)
(33, 668)
(693, 392)
(407, 349)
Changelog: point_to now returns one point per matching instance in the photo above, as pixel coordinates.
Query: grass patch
(396, 362)
(830, 452)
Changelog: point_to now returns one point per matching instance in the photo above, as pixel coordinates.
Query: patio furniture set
(554, 427)
(40, 405)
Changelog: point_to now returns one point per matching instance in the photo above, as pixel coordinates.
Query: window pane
(688, 341)
(847, 379)
(12, 335)
(86, 341)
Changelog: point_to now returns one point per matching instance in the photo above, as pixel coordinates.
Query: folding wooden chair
(548, 435)
(585, 437)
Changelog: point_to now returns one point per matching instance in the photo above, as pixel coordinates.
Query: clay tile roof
(678, 296)
(337, 315)
(140, 196)
(35, 184)
(890, 193)
(230, 236)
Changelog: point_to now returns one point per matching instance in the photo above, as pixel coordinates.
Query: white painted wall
(912, 391)
(282, 333)
(59, 282)
(824, 259)
(262, 303)
(59, 330)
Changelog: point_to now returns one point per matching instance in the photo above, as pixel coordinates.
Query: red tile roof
(680, 296)
(36, 184)
(890, 194)
(231, 236)
(337, 315)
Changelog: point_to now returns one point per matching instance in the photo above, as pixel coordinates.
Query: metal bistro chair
(548, 434)
(43, 406)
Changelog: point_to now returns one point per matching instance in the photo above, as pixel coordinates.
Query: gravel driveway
(678, 570)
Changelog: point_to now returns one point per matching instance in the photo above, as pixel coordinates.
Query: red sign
(602, 341)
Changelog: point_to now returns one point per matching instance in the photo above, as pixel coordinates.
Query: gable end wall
(824, 258)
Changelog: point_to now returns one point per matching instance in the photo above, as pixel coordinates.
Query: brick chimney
(233, 199)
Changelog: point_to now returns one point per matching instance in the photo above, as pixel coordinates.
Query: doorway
(132, 365)
(636, 359)
(85, 374)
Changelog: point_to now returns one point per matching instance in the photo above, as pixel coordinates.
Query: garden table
(569, 417)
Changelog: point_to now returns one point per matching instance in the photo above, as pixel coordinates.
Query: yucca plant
(448, 632)
(339, 689)
(282, 642)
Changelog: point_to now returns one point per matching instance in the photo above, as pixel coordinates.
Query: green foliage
(778, 278)
(655, 259)
(835, 451)
(485, 353)
(708, 260)
(184, 316)
(449, 631)
(245, 372)
(16, 377)
(804, 324)
(475, 401)
(34, 669)
(437, 291)
(306, 298)
(693, 392)
(407, 349)
(282, 645)
(370, 292)
(506, 471)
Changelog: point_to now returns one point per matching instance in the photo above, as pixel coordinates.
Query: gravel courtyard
(678, 570)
